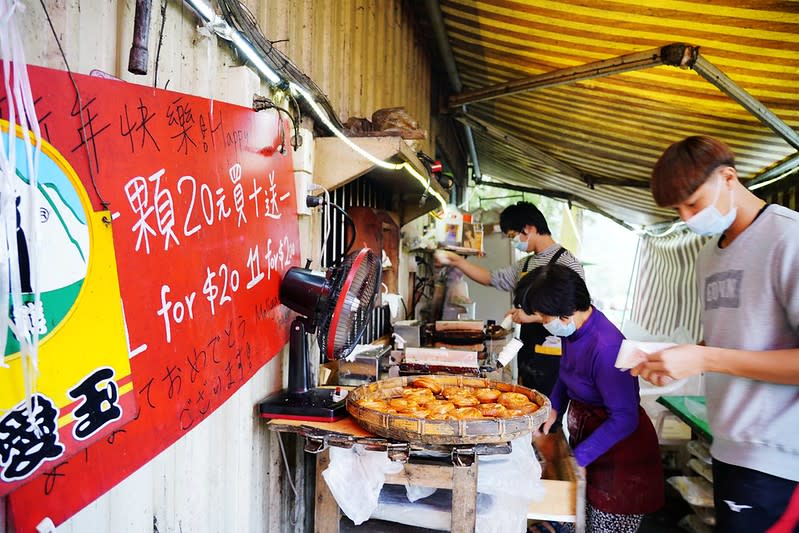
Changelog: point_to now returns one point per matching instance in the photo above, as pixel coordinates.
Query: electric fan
(337, 305)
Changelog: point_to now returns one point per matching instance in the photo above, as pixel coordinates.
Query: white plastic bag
(506, 485)
(514, 481)
(355, 477)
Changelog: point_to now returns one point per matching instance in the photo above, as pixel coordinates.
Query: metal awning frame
(677, 54)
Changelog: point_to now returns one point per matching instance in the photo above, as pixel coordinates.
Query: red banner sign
(200, 198)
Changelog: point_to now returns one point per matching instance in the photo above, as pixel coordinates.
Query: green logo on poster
(62, 251)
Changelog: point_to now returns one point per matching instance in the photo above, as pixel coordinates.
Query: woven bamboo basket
(425, 431)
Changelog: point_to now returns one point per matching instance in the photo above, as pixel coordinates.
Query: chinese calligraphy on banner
(201, 208)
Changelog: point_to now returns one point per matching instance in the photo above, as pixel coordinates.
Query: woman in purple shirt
(611, 435)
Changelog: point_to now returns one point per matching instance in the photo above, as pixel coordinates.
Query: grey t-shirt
(750, 301)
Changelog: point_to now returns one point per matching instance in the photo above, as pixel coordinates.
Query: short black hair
(552, 290)
(516, 217)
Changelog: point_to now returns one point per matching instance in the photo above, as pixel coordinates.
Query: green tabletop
(691, 410)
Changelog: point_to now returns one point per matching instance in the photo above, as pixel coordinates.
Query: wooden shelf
(336, 164)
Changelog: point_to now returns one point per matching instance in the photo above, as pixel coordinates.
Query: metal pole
(711, 73)
(433, 10)
(677, 54)
(777, 172)
(569, 197)
(139, 55)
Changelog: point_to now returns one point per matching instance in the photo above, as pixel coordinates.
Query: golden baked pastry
(420, 396)
(464, 400)
(513, 400)
(440, 406)
(463, 413)
(377, 405)
(493, 410)
(426, 397)
(449, 392)
(487, 395)
(403, 404)
(424, 382)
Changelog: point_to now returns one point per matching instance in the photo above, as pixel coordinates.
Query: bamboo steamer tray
(425, 431)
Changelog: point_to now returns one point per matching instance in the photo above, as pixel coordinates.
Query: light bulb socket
(314, 201)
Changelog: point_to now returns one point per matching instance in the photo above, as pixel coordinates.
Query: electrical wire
(348, 220)
(85, 143)
(327, 223)
(261, 103)
(243, 22)
(160, 42)
(258, 50)
(295, 511)
(671, 229)
(320, 113)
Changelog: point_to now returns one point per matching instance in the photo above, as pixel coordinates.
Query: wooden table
(458, 475)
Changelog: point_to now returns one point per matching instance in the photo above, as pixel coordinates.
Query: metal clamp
(463, 456)
(398, 451)
(315, 446)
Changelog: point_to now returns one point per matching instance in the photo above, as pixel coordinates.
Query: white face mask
(559, 329)
(709, 221)
(519, 244)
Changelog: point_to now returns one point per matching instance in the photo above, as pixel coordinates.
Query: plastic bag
(514, 481)
(355, 477)
(506, 485)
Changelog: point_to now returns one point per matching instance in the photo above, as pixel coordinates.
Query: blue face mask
(519, 244)
(559, 329)
(709, 221)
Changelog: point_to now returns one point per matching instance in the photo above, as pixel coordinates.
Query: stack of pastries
(426, 397)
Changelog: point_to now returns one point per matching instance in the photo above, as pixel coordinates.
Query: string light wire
(224, 30)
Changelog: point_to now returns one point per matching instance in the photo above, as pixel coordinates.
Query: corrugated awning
(596, 140)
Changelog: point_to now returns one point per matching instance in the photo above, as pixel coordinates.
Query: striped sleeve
(505, 279)
(567, 259)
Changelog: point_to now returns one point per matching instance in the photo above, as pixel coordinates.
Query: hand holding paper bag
(671, 363)
(632, 353)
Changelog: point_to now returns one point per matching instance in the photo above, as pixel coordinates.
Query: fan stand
(301, 401)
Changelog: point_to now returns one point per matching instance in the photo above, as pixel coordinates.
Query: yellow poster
(78, 390)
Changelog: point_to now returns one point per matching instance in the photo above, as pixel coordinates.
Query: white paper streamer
(20, 108)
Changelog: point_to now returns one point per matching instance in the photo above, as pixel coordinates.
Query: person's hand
(663, 367)
(521, 317)
(444, 258)
(553, 415)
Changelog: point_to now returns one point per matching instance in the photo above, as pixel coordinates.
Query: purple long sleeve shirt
(588, 375)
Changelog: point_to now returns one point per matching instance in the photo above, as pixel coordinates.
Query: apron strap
(556, 255)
